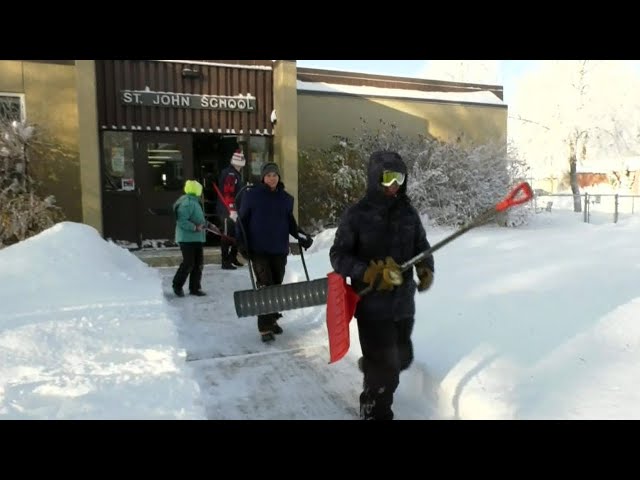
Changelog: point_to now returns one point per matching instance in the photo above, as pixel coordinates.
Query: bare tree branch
(526, 120)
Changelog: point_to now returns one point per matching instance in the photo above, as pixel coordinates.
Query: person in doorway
(266, 216)
(374, 236)
(230, 184)
(190, 235)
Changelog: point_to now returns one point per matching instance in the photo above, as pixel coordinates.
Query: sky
(533, 322)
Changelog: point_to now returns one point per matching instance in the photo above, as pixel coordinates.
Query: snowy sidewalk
(241, 377)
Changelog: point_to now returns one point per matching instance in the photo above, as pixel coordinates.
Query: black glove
(305, 240)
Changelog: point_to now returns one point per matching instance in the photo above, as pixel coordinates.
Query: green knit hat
(193, 187)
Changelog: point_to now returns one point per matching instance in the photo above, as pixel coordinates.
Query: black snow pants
(386, 351)
(269, 270)
(191, 266)
(228, 249)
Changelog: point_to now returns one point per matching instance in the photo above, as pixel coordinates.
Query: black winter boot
(267, 336)
(275, 328)
(178, 291)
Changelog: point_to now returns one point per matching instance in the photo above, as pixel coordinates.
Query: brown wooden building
(162, 122)
(129, 132)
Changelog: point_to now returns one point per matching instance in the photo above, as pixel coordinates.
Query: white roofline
(478, 97)
(399, 78)
(214, 64)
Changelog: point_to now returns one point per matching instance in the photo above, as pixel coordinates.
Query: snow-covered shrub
(329, 181)
(450, 183)
(454, 184)
(23, 213)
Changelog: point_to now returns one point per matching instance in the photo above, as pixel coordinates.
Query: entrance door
(163, 162)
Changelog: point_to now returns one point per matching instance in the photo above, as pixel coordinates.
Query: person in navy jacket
(266, 214)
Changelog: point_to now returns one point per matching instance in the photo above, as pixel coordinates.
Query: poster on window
(256, 164)
(117, 159)
(128, 184)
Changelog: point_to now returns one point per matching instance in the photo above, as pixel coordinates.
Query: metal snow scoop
(278, 298)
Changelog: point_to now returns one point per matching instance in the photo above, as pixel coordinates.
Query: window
(12, 107)
(165, 167)
(118, 161)
(260, 148)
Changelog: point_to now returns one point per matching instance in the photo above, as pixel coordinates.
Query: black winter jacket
(374, 228)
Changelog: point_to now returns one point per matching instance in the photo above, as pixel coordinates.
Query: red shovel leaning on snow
(342, 299)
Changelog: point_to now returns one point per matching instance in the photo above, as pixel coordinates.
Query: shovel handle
(509, 201)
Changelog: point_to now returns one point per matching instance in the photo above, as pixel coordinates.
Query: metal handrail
(587, 202)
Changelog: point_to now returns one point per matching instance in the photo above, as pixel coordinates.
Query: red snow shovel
(342, 299)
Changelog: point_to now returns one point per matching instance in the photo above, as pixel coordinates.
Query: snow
(218, 64)
(606, 165)
(482, 96)
(534, 322)
(85, 332)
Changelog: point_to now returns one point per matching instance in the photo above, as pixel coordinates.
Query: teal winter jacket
(189, 213)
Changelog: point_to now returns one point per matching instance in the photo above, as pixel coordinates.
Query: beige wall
(88, 144)
(285, 142)
(320, 116)
(51, 104)
(11, 76)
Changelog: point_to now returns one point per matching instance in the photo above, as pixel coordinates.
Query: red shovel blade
(341, 306)
(525, 192)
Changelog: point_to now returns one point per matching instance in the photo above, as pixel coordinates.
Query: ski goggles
(388, 177)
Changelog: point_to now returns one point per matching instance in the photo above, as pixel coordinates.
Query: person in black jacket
(374, 236)
(266, 214)
(230, 185)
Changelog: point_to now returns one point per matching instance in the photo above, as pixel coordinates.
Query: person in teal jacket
(191, 236)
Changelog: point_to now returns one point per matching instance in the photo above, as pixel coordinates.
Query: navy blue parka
(267, 217)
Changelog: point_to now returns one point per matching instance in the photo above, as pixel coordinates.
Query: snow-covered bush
(450, 183)
(329, 181)
(23, 213)
(454, 184)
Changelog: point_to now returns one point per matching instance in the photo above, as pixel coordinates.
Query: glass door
(120, 199)
(163, 163)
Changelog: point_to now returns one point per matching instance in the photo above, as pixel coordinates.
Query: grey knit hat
(268, 168)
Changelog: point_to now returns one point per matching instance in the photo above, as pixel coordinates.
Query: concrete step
(172, 257)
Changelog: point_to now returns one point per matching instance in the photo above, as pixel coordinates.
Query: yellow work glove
(388, 272)
(425, 275)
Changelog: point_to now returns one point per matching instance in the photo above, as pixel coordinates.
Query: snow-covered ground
(529, 322)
